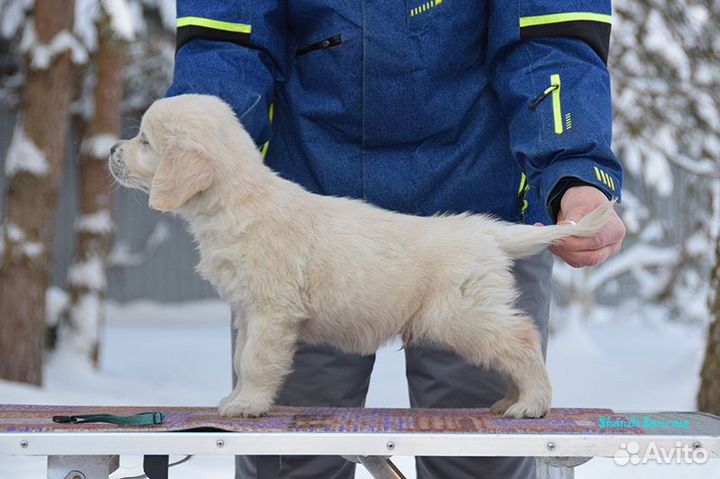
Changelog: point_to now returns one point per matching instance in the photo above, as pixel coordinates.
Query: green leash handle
(141, 419)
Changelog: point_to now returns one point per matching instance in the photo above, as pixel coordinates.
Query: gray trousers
(324, 376)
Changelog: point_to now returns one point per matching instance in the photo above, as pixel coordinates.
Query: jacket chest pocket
(423, 14)
(461, 19)
(445, 32)
(330, 42)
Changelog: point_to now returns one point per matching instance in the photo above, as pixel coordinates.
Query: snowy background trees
(77, 70)
(32, 172)
(75, 74)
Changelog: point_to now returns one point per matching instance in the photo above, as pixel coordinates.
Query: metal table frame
(557, 454)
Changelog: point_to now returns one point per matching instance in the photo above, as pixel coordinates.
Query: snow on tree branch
(122, 256)
(89, 274)
(56, 300)
(80, 339)
(637, 257)
(99, 222)
(122, 19)
(42, 55)
(24, 155)
(98, 146)
(126, 19)
(13, 241)
(167, 10)
(705, 167)
(666, 101)
(12, 16)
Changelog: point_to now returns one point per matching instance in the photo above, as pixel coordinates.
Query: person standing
(422, 107)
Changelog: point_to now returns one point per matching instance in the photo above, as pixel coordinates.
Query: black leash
(141, 419)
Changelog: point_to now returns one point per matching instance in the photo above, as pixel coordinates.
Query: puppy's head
(172, 156)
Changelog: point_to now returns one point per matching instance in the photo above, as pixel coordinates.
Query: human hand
(578, 252)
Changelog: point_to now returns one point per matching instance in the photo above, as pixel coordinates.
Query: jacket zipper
(522, 195)
(554, 90)
(557, 105)
(327, 43)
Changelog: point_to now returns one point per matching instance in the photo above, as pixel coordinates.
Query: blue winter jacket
(492, 106)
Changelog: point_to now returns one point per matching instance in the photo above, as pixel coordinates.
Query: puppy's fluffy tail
(525, 240)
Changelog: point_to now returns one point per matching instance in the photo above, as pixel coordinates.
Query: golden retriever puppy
(300, 266)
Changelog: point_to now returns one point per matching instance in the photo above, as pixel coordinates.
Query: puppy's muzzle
(118, 168)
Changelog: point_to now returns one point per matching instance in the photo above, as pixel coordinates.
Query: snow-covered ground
(179, 355)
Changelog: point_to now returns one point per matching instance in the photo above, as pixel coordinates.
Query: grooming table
(562, 440)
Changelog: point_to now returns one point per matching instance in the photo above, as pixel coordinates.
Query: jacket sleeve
(233, 49)
(548, 62)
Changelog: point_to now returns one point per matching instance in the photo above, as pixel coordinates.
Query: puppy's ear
(183, 172)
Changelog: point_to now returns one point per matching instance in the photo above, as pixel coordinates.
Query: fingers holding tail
(525, 240)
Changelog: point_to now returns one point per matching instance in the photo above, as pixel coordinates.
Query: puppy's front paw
(529, 410)
(502, 405)
(242, 406)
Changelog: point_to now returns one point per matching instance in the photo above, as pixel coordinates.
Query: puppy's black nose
(113, 148)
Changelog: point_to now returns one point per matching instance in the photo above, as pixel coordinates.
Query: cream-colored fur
(300, 266)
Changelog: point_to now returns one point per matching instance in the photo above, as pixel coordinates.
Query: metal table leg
(81, 467)
(558, 467)
(379, 467)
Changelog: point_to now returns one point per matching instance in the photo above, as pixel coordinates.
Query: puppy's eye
(144, 141)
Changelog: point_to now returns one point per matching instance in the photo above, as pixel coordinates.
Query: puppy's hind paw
(227, 399)
(235, 409)
(526, 410)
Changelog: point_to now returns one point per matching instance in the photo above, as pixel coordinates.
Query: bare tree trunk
(709, 396)
(33, 180)
(80, 326)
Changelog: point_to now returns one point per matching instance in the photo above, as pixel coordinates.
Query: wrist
(558, 193)
(580, 200)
